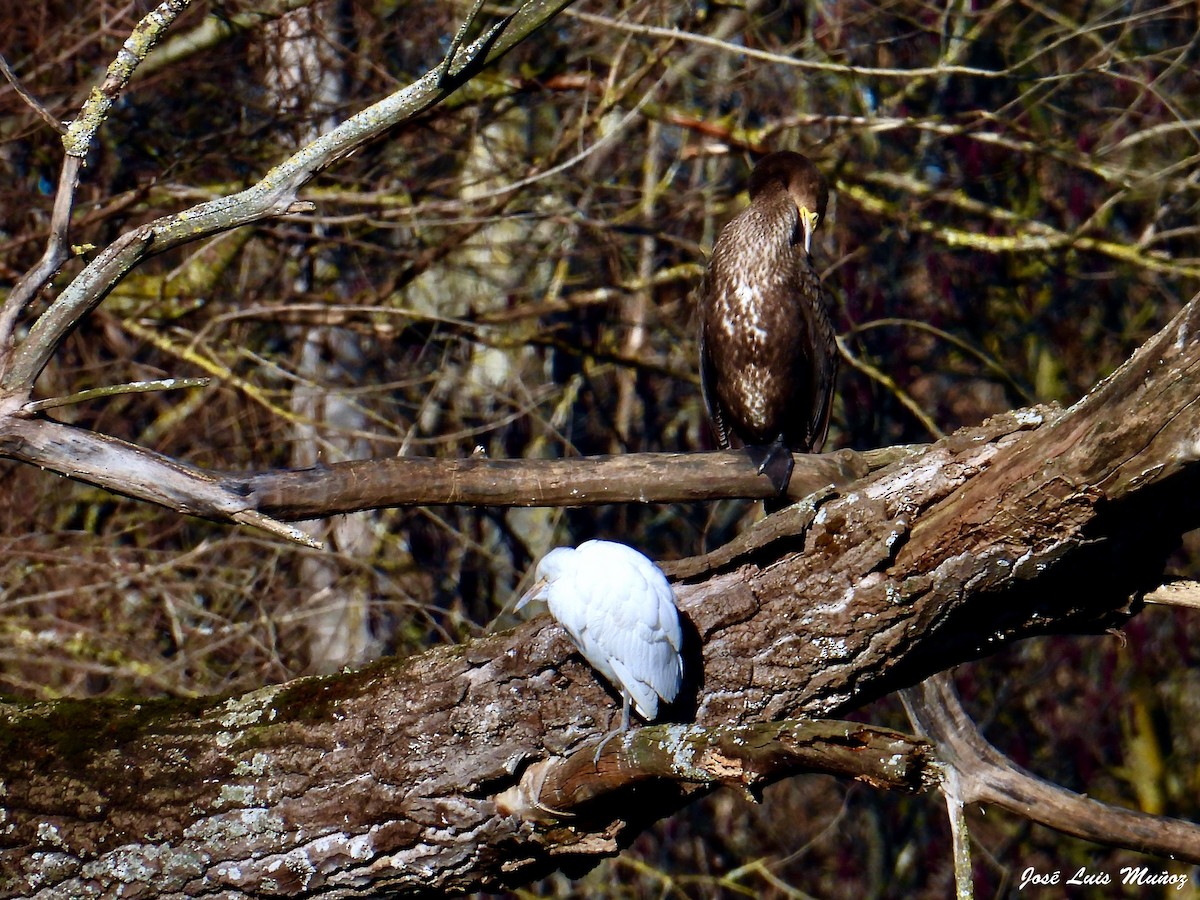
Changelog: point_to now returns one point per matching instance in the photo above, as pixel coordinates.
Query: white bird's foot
(624, 729)
(604, 743)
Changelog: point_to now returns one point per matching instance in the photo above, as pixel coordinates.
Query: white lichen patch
(228, 872)
(356, 846)
(48, 833)
(488, 719)
(235, 826)
(236, 795)
(141, 864)
(42, 867)
(242, 712)
(295, 862)
(899, 532)
(831, 648)
(256, 766)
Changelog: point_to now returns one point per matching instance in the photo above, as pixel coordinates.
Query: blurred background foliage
(1014, 210)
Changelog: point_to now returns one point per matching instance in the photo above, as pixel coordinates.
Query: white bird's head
(553, 565)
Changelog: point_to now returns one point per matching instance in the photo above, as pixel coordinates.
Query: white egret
(620, 611)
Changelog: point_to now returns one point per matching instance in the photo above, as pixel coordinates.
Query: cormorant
(768, 354)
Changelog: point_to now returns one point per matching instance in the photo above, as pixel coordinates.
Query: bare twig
(31, 101)
(113, 390)
(889, 383)
(792, 61)
(457, 42)
(55, 254)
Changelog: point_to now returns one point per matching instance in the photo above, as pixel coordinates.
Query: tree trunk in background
(305, 82)
(512, 255)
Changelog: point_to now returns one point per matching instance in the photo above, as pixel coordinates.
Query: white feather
(620, 611)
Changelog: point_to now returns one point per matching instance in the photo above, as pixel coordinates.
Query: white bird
(620, 611)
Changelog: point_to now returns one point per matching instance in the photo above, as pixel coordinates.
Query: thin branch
(960, 836)
(989, 362)
(113, 390)
(137, 46)
(31, 101)
(457, 42)
(1036, 237)
(889, 383)
(742, 50)
(55, 254)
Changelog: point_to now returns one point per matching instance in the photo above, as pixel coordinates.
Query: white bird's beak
(534, 593)
(808, 222)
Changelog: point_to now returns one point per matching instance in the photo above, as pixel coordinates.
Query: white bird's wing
(645, 699)
(634, 623)
(572, 602)
(619, 610)
(659, 602)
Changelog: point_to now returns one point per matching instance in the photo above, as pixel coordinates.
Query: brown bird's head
(798, 176)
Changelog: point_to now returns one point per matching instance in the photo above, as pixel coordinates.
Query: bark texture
(427, 774)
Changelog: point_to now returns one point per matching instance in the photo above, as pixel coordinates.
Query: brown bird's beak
(808, 222)
(534, 593)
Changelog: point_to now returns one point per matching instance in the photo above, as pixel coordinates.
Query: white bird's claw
(604, 743)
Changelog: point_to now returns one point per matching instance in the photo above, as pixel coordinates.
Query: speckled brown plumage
(768, 356)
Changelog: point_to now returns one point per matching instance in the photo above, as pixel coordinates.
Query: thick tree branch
(370, 484)
(133, 471)
(748, 757)
(630, 478)
(400, 777)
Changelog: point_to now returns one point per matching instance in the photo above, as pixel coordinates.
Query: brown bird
(768, 355)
